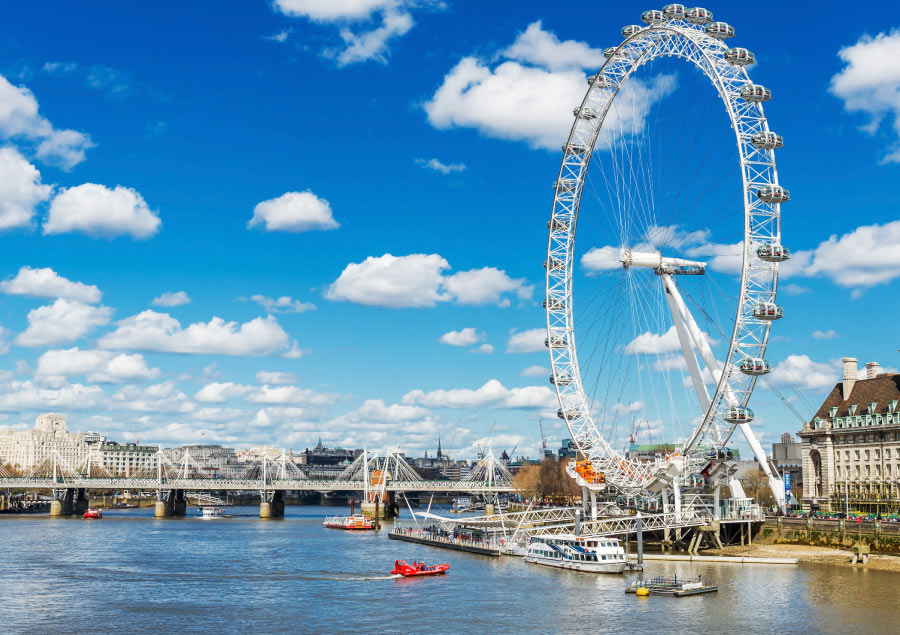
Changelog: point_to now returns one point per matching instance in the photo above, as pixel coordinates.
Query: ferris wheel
(670, 167)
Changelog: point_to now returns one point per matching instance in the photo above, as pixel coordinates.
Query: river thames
(131, 572)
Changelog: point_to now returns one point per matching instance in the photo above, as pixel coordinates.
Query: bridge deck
(224, 484)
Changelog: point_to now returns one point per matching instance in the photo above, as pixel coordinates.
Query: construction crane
(543, 440)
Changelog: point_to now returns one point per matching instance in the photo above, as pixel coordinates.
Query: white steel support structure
(758, 278)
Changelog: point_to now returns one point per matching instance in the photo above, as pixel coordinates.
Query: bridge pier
(170, 503)
(80, 502)
(273, 508)
(61, 505)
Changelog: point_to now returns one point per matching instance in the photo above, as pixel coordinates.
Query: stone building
(129, 459)
(851, 447)
(24, 449)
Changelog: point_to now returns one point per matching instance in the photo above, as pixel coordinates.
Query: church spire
(439, 453)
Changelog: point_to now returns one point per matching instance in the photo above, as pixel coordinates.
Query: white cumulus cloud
(464, 337)
(97, 211)
(543, 48)
(801, 373)
(61, 322)
(283, 304)
(220, 392)
(171, 298)
(20, 190)
(492, 393)
(46, 283)
(366, 26)
(275, 377)
(417, 280)
(19, 119)
(535, 371)
(530, 341)
(293, 212)
(443, 168)
(869, 83)
(96, 366)
(533, 102)
(152, 331)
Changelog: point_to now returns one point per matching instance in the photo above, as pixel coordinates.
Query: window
(868, 470)
(857, 471)
(846, 455)
(877, 453)
(832, 411)
(888, 469)
(887, 453)
(867, 455)
(856, 455)
(853, 409)
(872, 405)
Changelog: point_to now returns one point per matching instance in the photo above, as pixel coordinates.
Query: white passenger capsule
(698, 15)
(554, 304)
(602, 81)
(570, 414)
(773, 194)
(652, 16)
(674, 11)
(736, 414)
(565, 185)
(574, 148)
(610, 52)
(773, 252)
(558, 225)
(562, 380)
(755, 93)
(767, 311)
(755, 366)
(739, 56)
(555, 342)
(554, 264)
(631, 29)
(719, 30)
(585, 112)
(767, 140)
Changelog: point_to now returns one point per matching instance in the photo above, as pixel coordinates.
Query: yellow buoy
(642, 592)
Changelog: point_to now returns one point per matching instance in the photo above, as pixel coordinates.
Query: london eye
(658, 316)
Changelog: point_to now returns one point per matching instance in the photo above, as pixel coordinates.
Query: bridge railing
(270, 484)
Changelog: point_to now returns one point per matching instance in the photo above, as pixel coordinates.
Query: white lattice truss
(488, 470)
(761, 226)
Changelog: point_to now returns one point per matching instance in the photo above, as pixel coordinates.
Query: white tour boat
(579, 553)
(212, 511)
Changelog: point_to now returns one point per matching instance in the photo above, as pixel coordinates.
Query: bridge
(379, 478)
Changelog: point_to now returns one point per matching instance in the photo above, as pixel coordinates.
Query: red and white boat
(354, 522)
(418, 568)
(93, 512)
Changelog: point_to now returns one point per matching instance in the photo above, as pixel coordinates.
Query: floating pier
(422, 538)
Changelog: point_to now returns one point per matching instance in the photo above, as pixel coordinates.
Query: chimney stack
(849, 375)
(871, 370)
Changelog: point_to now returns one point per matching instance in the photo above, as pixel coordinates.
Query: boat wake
(367, 578)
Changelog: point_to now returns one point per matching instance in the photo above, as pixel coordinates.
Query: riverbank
(806, 553)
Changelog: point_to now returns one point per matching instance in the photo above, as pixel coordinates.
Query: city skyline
(274, 222)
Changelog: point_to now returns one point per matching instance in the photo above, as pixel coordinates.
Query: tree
(756, 486)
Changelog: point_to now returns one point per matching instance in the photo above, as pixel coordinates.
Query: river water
(131, 572)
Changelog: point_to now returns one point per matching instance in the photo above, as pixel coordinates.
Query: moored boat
(579, 553)
(418, 569)
(352, 522)
(212, 511)
(93, 512)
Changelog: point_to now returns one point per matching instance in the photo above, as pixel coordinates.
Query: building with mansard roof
(851, 447)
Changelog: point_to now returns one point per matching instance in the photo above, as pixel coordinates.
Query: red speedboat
(418, 568)
(93, 512)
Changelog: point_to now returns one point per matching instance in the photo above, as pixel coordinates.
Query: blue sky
(385, 166)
